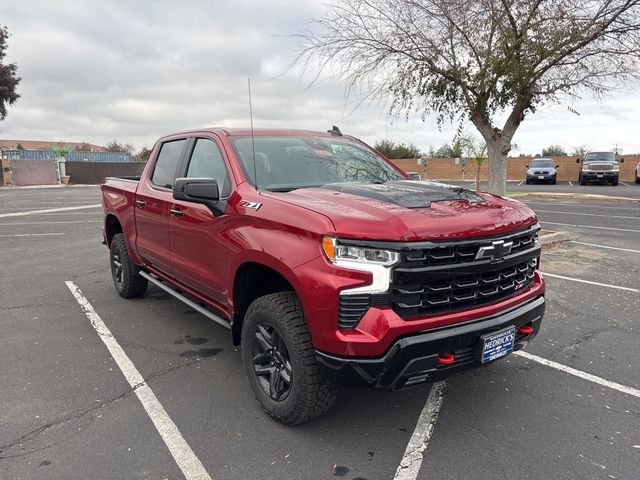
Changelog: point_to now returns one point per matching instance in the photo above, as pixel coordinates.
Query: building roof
(44, 145)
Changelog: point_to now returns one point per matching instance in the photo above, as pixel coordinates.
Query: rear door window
(164, 171)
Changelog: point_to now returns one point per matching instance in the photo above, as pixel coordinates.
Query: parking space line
(579, 280)
(413, 455)
(585, 226)
(571, 203)
(49, 223)
(190, 465)
(49, 210)
(31, 235)
(625, 184)
(588, 214)
(579, 373)
(570, 184)
(605, 246)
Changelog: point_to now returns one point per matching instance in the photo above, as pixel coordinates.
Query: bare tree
(476, 150)
(482, 60)
(579, 151)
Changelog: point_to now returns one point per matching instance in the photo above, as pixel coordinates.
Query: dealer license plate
(600, 175)
(497, 345)
(540, 177)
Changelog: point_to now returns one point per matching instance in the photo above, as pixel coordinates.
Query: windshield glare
(600, 157)
(287, 163)
(545, 162)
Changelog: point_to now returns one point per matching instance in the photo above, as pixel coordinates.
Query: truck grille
(420, 293)
(600, 166)
(445, 276)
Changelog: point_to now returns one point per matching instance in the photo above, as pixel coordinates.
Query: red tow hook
(446, 359)
(525, 330)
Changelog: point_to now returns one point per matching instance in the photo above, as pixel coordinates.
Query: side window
(167, 162)
(206, 161)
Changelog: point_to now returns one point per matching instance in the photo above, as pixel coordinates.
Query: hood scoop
(408, 194)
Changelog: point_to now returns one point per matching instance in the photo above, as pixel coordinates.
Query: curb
(552, 238)
(573, 196)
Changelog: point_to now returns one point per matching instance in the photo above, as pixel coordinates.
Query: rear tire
(280, 361)
(123, 271)
(637, 179)
(527, 181)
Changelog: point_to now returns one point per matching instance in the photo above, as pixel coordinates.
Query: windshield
(600, 157)
(543, 162)
(287, 163)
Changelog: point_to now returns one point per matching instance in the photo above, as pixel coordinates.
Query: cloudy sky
(134, 70)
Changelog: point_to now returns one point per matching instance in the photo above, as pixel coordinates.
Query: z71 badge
(251, 205)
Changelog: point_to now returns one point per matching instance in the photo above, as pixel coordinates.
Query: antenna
(253, 143)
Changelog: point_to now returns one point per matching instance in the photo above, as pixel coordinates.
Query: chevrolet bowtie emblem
(495, 252)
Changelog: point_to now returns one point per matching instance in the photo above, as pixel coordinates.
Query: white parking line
(520, 183)
(586, 226)
(413, 455)
(49, 210)
(587, 214)
(49, 223)
(191, 467)
(579, 280)
(625, 184)
(31, 235)
(570, 184)
(605, 246)
(579, 373)
(572, 203)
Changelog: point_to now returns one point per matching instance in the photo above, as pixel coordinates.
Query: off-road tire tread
(133, 284)
(315, 396)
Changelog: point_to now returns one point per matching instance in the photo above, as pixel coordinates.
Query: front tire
(280, 362)
(582, 180)
(123, 271)
(614, 182)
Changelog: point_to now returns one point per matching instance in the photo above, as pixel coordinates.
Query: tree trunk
(497, 167)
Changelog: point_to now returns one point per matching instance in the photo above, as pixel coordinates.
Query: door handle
(175, 212)
(140, 203)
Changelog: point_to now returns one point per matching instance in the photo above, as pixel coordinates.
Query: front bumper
(413, 359)
(541, 177)
(595, 175)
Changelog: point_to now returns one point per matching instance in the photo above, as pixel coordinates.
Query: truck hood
(410, 211)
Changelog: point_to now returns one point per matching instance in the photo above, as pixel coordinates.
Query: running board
(183, 299)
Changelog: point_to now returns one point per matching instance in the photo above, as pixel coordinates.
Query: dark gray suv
(542, 170)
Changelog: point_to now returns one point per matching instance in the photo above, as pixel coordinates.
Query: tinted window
(165, 169)
(600, 156)
(543, 163)
(287, 163)
(206, 161)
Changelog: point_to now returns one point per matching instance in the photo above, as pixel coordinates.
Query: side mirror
(557, 166)
(526, 166)
(200, 190)
(577, 160)
(622, 160)
(196, 190)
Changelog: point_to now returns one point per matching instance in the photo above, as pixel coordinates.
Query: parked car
(638, 173)
(325, 262)
(542, 170)
(599, 167)
(414, 175)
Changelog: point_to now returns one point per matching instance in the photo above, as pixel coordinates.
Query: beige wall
(446, 169)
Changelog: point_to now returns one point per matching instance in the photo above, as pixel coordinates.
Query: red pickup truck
(327, 263)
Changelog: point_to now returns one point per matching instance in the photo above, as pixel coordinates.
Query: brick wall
(446, 169)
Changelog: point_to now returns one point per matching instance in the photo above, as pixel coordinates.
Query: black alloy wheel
(271, 362)
(124, 272)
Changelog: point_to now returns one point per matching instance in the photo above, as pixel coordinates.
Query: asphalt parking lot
(66, 410)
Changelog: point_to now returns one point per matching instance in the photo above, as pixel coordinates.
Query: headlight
(376, 261)
(615, 168)
(337, 253)
(529, 172)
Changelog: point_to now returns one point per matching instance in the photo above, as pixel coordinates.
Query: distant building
(44, 145)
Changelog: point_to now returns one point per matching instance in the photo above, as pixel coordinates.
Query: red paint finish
(201, 253)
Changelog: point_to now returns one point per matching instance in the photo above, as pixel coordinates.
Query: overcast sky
(134, 70)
